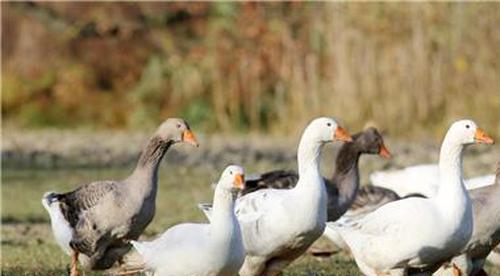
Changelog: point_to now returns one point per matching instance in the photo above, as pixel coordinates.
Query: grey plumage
(104, 215)
(370, 198)
(486, 234)
(279, 179)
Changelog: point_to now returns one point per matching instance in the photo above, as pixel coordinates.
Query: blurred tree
(250, 66)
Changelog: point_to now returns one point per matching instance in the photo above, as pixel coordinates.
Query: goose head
(467, 132)
(232, 179)
(176, 130)
(326, 130)
(370, 141)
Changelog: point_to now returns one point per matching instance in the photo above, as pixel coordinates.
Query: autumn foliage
(250, 66)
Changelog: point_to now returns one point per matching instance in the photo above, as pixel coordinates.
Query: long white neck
(308, 157)
(452, 195)
(310, 190)
(223, 220)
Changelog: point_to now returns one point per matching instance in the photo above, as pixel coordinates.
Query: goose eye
(178, 125)
(231, 172)
(467, 126)
(329, 124)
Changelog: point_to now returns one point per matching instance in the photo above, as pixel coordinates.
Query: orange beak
(384, 152)
(481, 137)
(188, 137)
(239, 181)
(342, 135)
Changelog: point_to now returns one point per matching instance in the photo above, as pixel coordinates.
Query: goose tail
(140, 247)
(333, 235)
(207, 209)
(49, 198)
(60, 226)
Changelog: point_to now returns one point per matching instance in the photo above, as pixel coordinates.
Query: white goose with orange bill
(278, 225)
(342, 188)
(95, 222)
(418, 233)
(193, 249)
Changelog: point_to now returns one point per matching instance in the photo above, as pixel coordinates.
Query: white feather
(60, 227)
(207, 209)
(420, 179)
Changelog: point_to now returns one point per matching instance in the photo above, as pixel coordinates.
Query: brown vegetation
(267, 67)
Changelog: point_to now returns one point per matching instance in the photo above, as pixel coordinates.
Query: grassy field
(28, 247)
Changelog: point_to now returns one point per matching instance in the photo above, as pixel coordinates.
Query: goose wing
(81, 208)
(84, 198)
(370, 198)
(279, 179)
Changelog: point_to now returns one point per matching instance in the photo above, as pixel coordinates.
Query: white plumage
(201, 249)
(418, 232)
(420, 179)
(279, 225)
(60, 226)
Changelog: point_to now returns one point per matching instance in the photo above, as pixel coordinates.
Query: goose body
(368, 199)
(278, 225)
(420, 179)
(214, 249)
(419, 232)
(345, 199)
(94, 222)
(342, 188)
(486, 233)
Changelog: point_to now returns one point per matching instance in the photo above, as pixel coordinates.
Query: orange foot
(456, 270)
(74, 264)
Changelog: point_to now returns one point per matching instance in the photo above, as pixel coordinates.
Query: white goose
(486, 234)
(279, 225)
(201, 249)
(419, 232)
(421, 179)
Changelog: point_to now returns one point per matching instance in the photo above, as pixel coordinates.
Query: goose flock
(421, 220)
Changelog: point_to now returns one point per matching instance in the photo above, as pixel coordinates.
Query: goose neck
(452, 195)
(347, 159)
(310, 190)
(346, 175)
(308, 155)
(450, 164)
(151, 157)
(223, 215)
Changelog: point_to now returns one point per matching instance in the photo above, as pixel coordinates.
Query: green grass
(28, 247)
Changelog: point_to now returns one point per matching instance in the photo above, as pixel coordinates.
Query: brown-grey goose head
(371, 141)
(176, 130)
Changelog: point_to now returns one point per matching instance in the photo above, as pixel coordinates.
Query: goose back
(103, 215)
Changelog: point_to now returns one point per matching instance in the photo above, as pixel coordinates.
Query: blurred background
(85, 84)
(239, 67)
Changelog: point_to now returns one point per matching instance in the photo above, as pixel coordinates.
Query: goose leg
(456, 270)
(74, 264)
